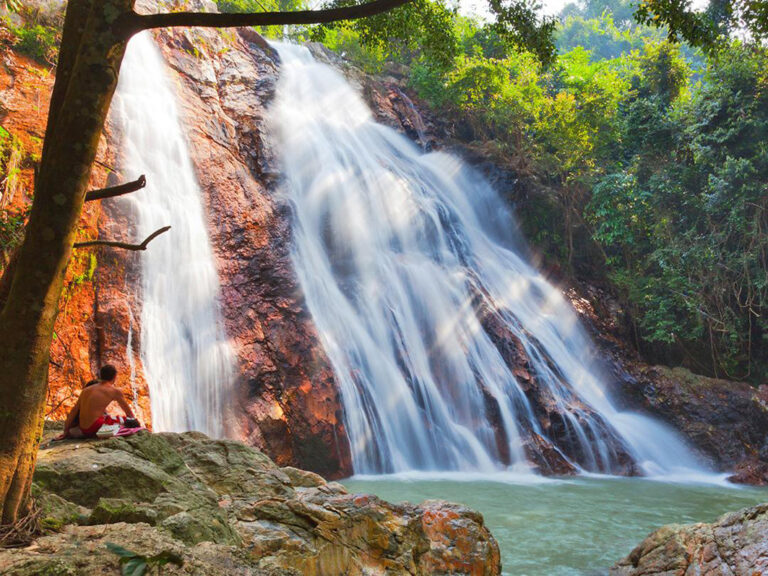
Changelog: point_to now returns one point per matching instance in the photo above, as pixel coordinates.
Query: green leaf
(120, 551)
(136, 566)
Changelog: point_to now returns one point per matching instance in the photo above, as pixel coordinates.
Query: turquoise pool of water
(570, 527)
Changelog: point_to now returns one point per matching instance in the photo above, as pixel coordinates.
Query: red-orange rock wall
(25, 88)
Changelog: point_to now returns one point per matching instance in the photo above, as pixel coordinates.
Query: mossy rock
(84, 475)
(196, 526)
(114, 510)
(227, 509)
(56, 512)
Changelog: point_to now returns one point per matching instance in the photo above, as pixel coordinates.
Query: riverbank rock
(226, 508)
(735, 545)
(726, 421)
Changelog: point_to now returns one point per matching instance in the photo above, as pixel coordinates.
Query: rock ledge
(226, 508)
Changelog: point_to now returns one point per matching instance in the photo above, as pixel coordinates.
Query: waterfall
(397, 251)
(187, 360)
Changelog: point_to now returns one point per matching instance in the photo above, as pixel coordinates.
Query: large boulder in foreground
(225, 508)
(735, 545)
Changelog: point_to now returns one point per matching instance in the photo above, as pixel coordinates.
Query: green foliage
(518, 23)
(37, 41)
(248, 6)
(602, 36)
(430, 32)
(421, 30)
(709, 29)
(619, 11)
(12, 5)
(35, 28)
(684, 221)
(11, 231)
(87, 274)
(622, 150)
(664, 71)
(134, 564)
(12, 157)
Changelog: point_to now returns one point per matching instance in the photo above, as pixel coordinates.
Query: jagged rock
(752, 471)
(735, 545)
(226, 508)
(726, 421)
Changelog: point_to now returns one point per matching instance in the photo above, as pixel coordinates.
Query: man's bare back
(94, 401)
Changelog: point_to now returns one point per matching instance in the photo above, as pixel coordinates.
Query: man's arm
(70, 418)
(123, 404)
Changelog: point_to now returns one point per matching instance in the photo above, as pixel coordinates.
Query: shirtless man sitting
(88, 415)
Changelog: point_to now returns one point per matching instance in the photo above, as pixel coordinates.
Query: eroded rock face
(228, 509)
(734, 545)
(726, 421)
(287, 399)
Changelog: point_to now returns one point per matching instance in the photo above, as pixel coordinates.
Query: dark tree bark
(113, 191)
(124, 245)
(92, 49)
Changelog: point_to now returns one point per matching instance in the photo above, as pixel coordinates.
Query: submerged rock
(734, 545)
(226, 508)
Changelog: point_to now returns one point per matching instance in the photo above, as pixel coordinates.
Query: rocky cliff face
(291, 407)
(726, 422)
(287, 399)
(224, 508)
(25, 88)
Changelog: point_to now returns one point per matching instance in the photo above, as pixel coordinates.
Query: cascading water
(187, 359)
(394, 249)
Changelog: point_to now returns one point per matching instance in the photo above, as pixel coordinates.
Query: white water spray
(393, 249)
(187, 359)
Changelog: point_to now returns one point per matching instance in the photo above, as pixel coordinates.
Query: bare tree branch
(123, 245)
(130, 24)
(113, 191)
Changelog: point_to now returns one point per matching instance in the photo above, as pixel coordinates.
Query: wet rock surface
(735, 545)
(226, 508)
(725, 421)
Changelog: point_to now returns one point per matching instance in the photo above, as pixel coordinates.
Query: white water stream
(391, 247)
(187, 359)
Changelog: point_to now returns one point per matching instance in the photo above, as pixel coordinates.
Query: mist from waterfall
(396, 251)
(187, 360)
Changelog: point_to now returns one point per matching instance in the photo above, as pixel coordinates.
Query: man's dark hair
(107, 373)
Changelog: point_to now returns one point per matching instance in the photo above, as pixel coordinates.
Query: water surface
(572, 527)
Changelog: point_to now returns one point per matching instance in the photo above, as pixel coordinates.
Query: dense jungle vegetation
(641, 163)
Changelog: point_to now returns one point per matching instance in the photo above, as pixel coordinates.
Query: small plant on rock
(134, 564)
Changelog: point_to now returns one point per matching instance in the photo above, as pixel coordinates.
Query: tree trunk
(91, 54)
